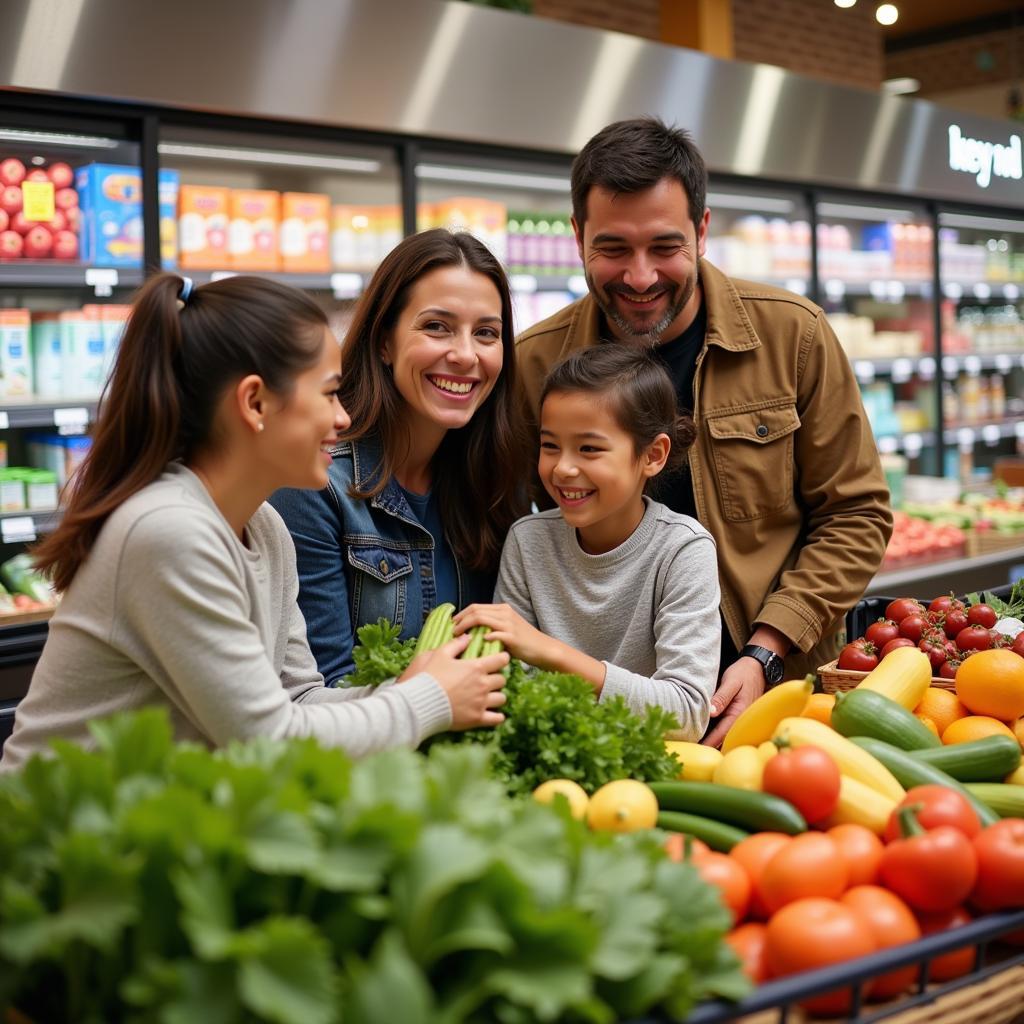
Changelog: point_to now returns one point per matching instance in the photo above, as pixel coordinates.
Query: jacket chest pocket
(379, 582)
(753, 455)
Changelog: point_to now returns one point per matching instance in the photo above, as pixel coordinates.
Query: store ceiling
(933, 16)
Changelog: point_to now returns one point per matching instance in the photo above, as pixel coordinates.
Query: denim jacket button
(384, 567)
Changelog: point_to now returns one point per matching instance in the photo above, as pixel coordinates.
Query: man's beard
(679, 296)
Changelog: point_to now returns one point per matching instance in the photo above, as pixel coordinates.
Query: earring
(259, 427)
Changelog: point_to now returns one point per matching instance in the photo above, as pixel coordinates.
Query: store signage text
(983, 159)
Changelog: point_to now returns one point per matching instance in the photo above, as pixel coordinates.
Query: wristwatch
(772, 664)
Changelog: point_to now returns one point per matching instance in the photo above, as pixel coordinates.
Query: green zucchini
(867, 713)
(758, 812)
(1006, 801)
(475, 647)
(910, 772)
(989, 759)
(437, 630)
(717, 835)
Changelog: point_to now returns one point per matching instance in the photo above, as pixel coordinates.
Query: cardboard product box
(47, 360)
(203, 220)
(110, 198)
(254, 229)
(484, 218)
(113, 318)
(81, 344)
(16, 352)
(305, 217)
(167, 190)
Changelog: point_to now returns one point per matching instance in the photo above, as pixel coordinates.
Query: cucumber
(986, 760)
(717, 835)
(1006, 801)
(910, 772)
(867, 713)
(744, 808)
(437, 630)
(475, 647)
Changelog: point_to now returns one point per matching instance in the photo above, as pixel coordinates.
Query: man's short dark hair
(632, 156)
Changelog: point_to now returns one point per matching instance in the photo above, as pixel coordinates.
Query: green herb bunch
(147, 882)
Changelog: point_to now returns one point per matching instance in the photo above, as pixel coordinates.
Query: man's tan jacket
(785, 471)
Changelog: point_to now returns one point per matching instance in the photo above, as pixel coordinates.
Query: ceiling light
(886, 14)
(900, 86)
(266, 156)
(845, 3)
(476, 176)
(57, 139)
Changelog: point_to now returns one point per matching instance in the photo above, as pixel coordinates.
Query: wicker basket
(836, 680)
(990, 542)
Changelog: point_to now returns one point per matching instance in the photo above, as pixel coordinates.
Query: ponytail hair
(176, 358)
(637, 390)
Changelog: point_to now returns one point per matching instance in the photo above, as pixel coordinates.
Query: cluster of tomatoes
(948, 631)
(821, 898)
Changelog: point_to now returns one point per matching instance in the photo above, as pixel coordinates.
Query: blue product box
(878, 237)
(168, 198)
(110, 197)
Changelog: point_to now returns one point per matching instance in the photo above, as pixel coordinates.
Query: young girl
(179, 581)
(611, 585)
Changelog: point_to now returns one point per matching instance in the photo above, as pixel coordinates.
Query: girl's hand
(521, 639)
(473, 686)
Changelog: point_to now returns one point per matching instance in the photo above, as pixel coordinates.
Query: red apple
(74, 216)
(5, 220)
(65, 245)
(66, 198)
(12, 172)
(10, 199)
(38, 243)
(37, 174)
(58, 222)
(61, 175)
(10, 245)
(20, 224)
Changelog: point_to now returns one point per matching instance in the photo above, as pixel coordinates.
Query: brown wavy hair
(480, 469)
(172, 368)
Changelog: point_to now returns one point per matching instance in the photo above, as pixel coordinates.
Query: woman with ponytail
(178, 580)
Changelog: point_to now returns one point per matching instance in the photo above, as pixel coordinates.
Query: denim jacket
(360, 560)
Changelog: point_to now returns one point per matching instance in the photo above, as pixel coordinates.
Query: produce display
(39, 213)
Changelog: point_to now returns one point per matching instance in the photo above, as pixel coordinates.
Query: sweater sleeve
(687, 633)
(181, 597)
(512, 587)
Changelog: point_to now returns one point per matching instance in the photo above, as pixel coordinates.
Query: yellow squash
(861, 805)
(698, 761)
(741, 768)
(903, 675)
(758, 722)
(849, 758)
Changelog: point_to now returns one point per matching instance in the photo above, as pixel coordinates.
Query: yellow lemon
(573, 792)
(698, 761)
(622, 806)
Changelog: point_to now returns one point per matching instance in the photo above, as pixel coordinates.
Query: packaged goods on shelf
(167, 193)
(532, 307)
(254, 228)
(110, 196)
(756, 248)
(541, 243)
(361, 236)
(15, 353)
(486, 219)
(908, 248)
(305, 217)
(26, 489)
(203, 213)
(57, 453)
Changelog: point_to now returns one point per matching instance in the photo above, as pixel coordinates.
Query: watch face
(774, 670)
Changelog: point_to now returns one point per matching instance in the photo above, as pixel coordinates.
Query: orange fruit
(928, 723)
(974, 727)
(942, 706)
(819, 707)
(992, 683)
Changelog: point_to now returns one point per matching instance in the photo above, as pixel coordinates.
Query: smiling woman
(426, 483)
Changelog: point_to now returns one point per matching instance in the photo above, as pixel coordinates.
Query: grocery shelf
(343, 283)
(54, 274)
(984, 291)
(987, 431)
(902, 368)
(911, 442)
(26, 525)
(963, 575)
(68, 415)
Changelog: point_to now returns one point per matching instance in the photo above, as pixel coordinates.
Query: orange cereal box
(305, 222)
(203, 227)
(255, 225)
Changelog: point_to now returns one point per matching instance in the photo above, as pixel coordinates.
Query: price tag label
(103, 279)
(902, 371)
(926, 368)
(1004, 364)
(37, 200)
(71, 421)
(1011, 292)
(912, 445)
(18, 529)
(953, 290)
(950, 367)
(5, 420)
(965, 438)
(990, 434)
(888, 445)
(972, 364)
(835, 289)
(797, 285)
(346, 286)
(864, 370)
(982, 290)
(525, 284)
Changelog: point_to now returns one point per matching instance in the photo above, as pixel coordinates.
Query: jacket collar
(729, 327)
(366, 453)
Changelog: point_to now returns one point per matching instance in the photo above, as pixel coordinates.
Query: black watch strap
(773, 665)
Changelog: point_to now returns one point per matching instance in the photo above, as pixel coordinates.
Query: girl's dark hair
(480, 469)
(638, 392)
(173, 365)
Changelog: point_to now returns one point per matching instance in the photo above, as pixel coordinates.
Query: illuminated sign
(983, 159)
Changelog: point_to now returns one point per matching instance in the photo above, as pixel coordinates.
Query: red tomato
(676, 844)
(944, 603)
(892, 645)
(729, 878)
(1018, 644)
(807, 777)
(935, 649)
(948, 668)
(960, 961)
(753, 853)
(859, 656)
(892, 924)
(899, 609)
(956, 619)
(750, 943)
(932, 870)
(981, 615)
(881, 632)
(913, 626)
(974, 638)
(808, 865)
(935, 806)
(861, 849)
(814, 933)
(1000, 852)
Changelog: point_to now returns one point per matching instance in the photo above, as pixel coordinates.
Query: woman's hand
(473, 686)
(521, 640)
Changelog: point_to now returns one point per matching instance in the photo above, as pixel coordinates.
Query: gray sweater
(171, 609)
(648, 609)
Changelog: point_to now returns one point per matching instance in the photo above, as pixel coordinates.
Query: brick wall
(961, 63)
(637, 17)
(811, 37)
